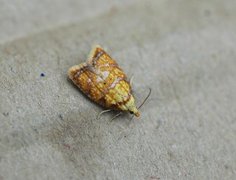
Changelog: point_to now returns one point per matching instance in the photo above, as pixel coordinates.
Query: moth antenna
(150, 91)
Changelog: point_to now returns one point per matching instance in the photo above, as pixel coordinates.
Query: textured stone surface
(184, 50)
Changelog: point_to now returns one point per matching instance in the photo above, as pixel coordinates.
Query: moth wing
(104, 66)
(84, 77)
(113, 79)
(98, 58)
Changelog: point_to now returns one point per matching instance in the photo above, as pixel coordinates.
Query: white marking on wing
(105, 74)
(99, 79)
(117, 80)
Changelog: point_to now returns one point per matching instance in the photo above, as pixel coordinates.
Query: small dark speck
(36, 130)
(42, 74)
(60, 116)
(226, 166)
(154, 178)
(6, 113)
(11, 69)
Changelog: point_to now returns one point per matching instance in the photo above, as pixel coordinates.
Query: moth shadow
(78, 137)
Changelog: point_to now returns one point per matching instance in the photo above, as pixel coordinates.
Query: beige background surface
(184, 50)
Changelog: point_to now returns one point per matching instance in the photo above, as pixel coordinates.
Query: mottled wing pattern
(99, 58)
(83, 77)
(101, 79)
(111, 80)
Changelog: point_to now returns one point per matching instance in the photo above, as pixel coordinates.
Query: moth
(104, 82)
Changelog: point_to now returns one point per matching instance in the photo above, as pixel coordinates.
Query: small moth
(103, 81)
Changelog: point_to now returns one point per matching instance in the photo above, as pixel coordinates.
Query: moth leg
(117, 115)
(105, 111)
(131, 80)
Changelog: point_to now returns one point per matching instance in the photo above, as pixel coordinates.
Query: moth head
(131, 107)
(135, 112)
